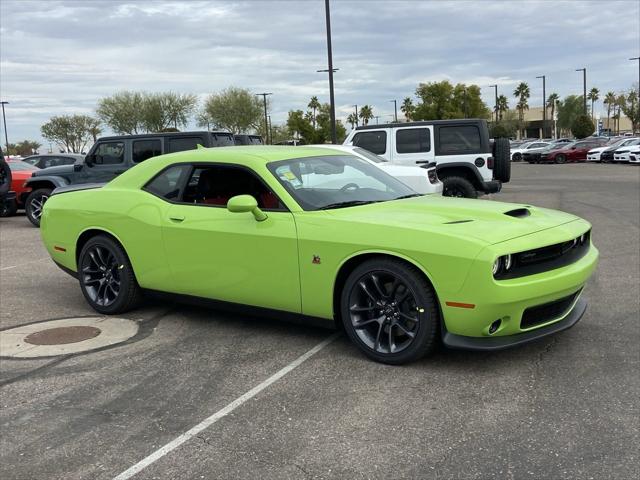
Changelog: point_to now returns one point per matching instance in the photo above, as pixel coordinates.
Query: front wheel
(458, 187)
(561, 159)
(34, 204)
(389, 311)
(106, 277)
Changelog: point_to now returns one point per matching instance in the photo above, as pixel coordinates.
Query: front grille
(606, 155)
(540, 314)
(547, 258)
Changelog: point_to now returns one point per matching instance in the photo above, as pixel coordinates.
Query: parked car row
(565, 152)
(615, 151)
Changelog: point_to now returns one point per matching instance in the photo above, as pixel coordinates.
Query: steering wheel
(350, 186)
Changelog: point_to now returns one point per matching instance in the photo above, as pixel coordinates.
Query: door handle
(176, 218)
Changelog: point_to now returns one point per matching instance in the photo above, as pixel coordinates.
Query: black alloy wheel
(106, 276)
(458, 187)
(561, 158)
(35, 203)
(388, 311)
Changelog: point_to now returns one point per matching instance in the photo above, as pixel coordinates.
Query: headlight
(502, 264)
(496, 265)
(508, 261)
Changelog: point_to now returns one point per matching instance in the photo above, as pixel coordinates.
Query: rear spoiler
(75, 188)
(426, 164)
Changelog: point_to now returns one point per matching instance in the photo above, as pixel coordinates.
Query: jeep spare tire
(502, 159)
(5, 177)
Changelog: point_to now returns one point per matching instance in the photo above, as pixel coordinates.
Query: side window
(50, 162)
(224, 139)
(143, 149)
(32, 160)
(167, 183)
(536, 145)
(375, 142)
(181, 144)
(459, 139)
(109, 153)
(215, 185)
(413, 140)
(67, 161)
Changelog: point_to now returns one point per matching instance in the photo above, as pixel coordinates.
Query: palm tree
(314, 105)
(552, 100)
(593, 95)
(621, 101)
(503, 105)
(407, 108)
(609, 101)
(366, 114)
(352, 120)
(522, 93)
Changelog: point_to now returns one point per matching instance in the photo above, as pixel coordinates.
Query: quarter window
(413, 140)
(375, 142)
(109, 153)
(181, 144)
(459, 139)
(167, 183)
(143, 149)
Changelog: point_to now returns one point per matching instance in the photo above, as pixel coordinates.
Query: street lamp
(4, 120)
(544, 105)
(266, 122)
(395, 110)
(638, 58)
(496, 87)
(584, 86)
(334, 136)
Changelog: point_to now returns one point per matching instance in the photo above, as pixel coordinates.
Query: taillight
(433, 176)
(490, 163)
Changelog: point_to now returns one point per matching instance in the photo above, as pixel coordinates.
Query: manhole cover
(65, 336)
(62, 335)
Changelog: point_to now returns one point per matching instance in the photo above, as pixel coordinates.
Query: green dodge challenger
(317, 235)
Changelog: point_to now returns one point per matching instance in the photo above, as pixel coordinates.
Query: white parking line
(21, 264)
(172, 445)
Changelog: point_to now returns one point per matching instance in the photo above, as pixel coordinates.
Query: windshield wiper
(351, 203)
(411, 195)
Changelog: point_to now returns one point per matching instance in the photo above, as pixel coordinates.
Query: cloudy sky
(60, 57)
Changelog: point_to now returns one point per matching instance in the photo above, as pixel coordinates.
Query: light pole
(270, 131)
(356, 114)
(544, 105)
(334, 136)
(395, 110)
(376, 117)
(638, 58)
(496, 87)
(584, 86)
(4, 120)
(266, 122)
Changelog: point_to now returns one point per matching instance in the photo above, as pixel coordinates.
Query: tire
(458, 187)
(5, 177)
(560, 158)
(8, 209)
(34, 203)
(502, 160)
(376, 304)
(517, 157)
(106, 277)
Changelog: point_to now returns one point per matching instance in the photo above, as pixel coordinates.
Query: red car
(569, 152)
(20, 172)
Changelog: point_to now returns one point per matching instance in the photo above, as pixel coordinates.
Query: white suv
(466, 161)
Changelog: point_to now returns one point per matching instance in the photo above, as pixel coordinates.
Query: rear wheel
(34, 204)
(517, 157)
(458, 187)
(106, 277)
(561, 158)
(389, 311)
(8, 209)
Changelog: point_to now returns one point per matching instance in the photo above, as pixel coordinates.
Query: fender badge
(316, 260)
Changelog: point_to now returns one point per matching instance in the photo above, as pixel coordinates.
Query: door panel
(412, 144)
(216, 254)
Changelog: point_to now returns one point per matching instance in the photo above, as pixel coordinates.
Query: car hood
(488, 221)
(22, 174)
(59, 170)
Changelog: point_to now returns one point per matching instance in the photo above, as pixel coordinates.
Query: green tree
(167, 110)
(582, 126)
(631, 108)
(234, 109)
(123, 112)
(300, 126)
(568, 110)
(72, 132)
(352, 120)
(503, 106)
(506, 127)
(314, 105)
(442, 100)
(407, 108)
(551, 103)
(23, 148)
(609, 101)
(203, 121)
(621, 101)
(366, 114)
(593, 95)
(522, 93)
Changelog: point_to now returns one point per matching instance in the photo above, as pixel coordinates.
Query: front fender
(48, 180)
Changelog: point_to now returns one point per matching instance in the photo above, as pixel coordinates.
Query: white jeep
(467, 161)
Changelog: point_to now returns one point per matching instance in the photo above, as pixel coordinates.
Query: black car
(111, 156)
(248, 140)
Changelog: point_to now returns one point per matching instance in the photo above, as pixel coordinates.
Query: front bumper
(500, 343)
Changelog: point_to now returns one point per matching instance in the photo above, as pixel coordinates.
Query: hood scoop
(518, 213)
(457, 221)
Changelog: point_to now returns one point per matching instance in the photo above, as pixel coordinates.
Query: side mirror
(573, 148)
(90, 160)
(246, 203)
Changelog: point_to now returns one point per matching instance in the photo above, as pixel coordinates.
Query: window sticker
(285, 174)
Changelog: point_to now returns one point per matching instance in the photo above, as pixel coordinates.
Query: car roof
(462, 121)
(165, 134)
(73, 155)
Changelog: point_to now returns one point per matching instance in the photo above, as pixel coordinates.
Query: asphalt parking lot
(565, 407)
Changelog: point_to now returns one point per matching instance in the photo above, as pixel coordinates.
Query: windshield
(566, 146)
(19, 166)
(368, 155)
(336, 181)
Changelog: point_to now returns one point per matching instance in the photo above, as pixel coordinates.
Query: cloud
(60, 57)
